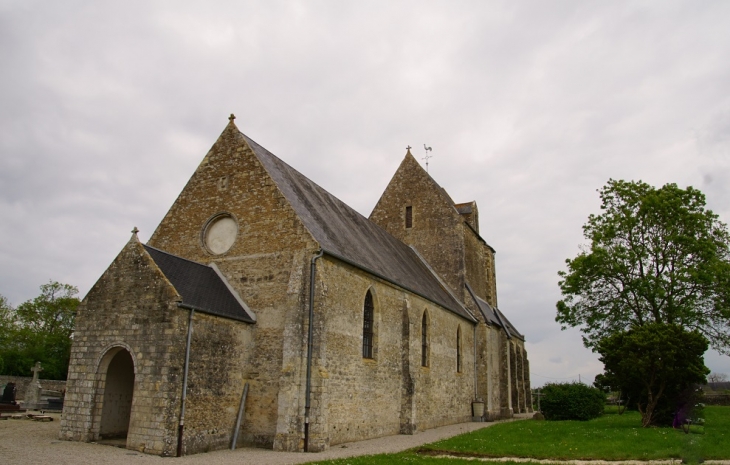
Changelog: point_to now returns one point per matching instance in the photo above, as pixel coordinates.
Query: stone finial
(135, 230)
(232, 117)
(408, 150)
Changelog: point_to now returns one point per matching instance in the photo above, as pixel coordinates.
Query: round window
(220, 234)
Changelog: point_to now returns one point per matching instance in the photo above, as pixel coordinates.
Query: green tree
(654, 256)
(7, 325)
(655, 365)
(39, 329)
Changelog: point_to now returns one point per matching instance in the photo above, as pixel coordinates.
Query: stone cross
(36, 370)
(33, 392)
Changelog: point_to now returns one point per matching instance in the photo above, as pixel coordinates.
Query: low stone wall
(717, 399)
(22, 382)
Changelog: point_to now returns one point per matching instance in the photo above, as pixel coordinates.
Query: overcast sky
(106, 109)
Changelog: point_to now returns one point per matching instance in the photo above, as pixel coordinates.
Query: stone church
(265, 311)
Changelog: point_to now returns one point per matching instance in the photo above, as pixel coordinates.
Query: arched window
(458, 349)
(367, 326)
(424, 340)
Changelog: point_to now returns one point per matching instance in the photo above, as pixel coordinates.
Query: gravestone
(33, 393)
(8, 404)
(9, 394)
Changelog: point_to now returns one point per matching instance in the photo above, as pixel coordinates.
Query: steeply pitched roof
(494, 316)
(200, 286)
(345, 234)
(508, 325)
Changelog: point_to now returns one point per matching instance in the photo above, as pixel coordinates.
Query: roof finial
(427, 149)
(135, 231)
(232, 117)
(408, 149)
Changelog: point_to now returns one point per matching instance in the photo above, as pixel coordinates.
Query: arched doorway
(118, 392)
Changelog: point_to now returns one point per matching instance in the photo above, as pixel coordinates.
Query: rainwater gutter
(310, 337)
(181, 424)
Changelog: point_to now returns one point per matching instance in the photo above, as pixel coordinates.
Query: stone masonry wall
(357, 398)
(132, 307)
(266, 265)
(437, 227)
(219, 368)
(476, 262)
(22, 382)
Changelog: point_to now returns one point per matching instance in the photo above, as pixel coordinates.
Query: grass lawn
(610, 437)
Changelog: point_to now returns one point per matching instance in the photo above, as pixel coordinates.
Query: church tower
(418, 211)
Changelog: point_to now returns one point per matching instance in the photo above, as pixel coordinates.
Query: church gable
(419, 212)
(230, 207)
(132, 266)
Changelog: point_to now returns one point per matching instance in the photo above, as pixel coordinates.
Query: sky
(530, 107)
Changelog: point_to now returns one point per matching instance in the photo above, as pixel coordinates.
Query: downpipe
(310, 337)
(181, 424)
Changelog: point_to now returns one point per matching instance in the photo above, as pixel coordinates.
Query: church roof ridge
(345, 233)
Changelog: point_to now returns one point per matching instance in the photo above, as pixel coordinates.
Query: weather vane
(428, 149)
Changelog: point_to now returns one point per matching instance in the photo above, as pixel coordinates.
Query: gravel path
(31, 442)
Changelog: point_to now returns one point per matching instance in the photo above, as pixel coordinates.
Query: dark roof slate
(344, 233)
(463, 208)
(513, 331)
(200, 286)
(494, 316)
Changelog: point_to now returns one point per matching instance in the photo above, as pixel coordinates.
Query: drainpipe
(310, 337)
(476, 391)
(181, 425)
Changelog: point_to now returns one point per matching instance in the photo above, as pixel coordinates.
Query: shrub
(571, 401)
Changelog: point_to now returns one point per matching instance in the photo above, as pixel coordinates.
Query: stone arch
(115, 380)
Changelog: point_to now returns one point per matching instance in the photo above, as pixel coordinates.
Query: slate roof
(463, 208)
(347, 235)
(513, 331)
(200, 286)
(494, 316)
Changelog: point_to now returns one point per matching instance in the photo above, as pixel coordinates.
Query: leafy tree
(657, 365)
(655, 256)
(6, 327)
(38, 330)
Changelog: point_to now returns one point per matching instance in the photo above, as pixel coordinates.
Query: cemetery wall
(22, 382)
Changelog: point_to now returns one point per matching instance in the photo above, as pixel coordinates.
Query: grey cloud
(107, 108)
